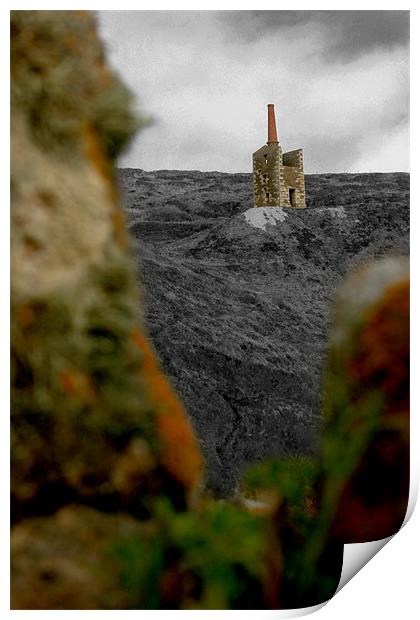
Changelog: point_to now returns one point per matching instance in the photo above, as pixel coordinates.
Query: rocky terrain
(237, 300)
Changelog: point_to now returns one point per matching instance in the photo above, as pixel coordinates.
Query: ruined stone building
(278, 177)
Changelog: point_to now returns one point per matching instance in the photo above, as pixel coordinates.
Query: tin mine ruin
(277, 177)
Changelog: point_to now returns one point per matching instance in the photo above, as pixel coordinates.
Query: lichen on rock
(83, 391)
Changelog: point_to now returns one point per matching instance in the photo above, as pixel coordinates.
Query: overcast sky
(339, 81)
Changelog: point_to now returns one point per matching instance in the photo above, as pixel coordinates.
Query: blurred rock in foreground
(93, 418)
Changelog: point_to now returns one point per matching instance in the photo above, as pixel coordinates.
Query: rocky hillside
(237, 300)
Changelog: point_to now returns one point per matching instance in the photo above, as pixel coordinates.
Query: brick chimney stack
(272, 130)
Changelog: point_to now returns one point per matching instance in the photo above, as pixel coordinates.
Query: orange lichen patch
(25, 315)
(102, 71)
(75, 383)
(71, 42)
(84, 14)
(374, 500)
(381, 358)
(95, 154)
(179, 449)
(120, 230)
(358, 521)
(372, 372)
(274, 575)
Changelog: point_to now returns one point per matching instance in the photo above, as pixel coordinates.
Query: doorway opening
(292, 196)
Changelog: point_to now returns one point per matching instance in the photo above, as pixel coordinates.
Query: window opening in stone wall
(265, 157)
(292, 196)
(267, 195)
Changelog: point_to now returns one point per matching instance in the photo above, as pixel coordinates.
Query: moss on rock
(83, 392)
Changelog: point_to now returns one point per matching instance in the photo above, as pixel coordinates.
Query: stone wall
(293, 158)
(293, 180)
(278, 177)
(268, 174)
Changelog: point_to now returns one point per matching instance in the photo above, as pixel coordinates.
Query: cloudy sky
(339, 81)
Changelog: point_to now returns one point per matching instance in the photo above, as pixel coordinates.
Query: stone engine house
(278, 177)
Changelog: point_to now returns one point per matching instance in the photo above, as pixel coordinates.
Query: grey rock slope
(237, 302)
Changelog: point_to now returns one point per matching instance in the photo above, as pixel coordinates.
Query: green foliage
(291, 476)
(215, 558)
(141, 561)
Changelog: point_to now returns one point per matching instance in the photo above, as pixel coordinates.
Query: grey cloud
(205, 78)
(362, 31)
(348, 33)
(328, 153)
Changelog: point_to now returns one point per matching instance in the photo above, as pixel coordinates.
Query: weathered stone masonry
(278, 177)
